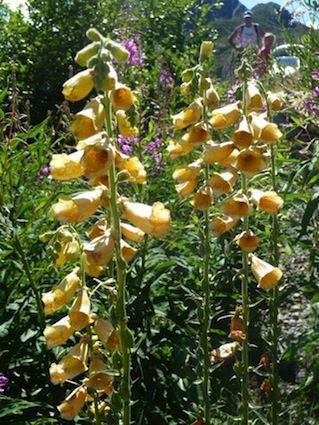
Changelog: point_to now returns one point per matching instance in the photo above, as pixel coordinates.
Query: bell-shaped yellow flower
(122, 97)
(211, 98)
(154, 220)
(225, 116)
(181, 148)
(224, 352)
(265, 131)
(100, 250)
(127, 251)
(268, 202)
(185, 188)
(73, 404)
(266, 275)
(221, 225)
(186, 88)
(253, 98)
(188, 172)
(203, 198)
(247, 240)
(274, 101)
(58, 333)
(216, 152)
(243, 136)
(132, 165)
(97, 229)
(197, 134)
(99, 181)
(91, 269)
(63, 293)
(251, 161)
(237, 206)
(68, 249)
(79, 86)
(90, 120)
(188, 116)
(133, 233)
(103, 329)
(99, 379)
(66, 167)
(124, 125)
(71, 365)
(223, 182)
(77, 208)
(230, 159)
(96, 160)
(80, 311)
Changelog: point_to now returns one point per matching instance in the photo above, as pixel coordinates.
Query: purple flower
(316, 91)
(3, 383)
(134, 50)
(152, 149)
(311, 107)
(315, 74)
(165, 78)
(43, 172)
(126, 143)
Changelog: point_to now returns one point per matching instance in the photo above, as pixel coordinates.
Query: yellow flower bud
(237, 206)
(77, 208)
(66, 167)
(266, 275)
(186, 89)
(154, 220)
(223, 182)
(251, 161)
(63, 293)
(73, 404)
(247, 241)
(89, 121)
(187, 75)
(204, 83)
(79, 86)
(268, 202)
(243, 137)
(203, 198)
(216, 152)
(220, 225)
(109, 81)
(80, 311)
(71, 365)
(100, 380)
(254, 99)
(85, 54)
(211, 98)
(122, 97)
(225, 116)
(100, 250)
(265, 131)
(58, 333)
(119, 52)
(188, 116)
(206, 49)
(132, 233)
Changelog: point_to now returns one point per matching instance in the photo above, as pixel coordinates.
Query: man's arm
(231, 38)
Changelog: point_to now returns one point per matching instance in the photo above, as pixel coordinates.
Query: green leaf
(309, 212)
(12, 406)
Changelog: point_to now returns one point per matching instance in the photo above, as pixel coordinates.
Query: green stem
(121, 282)
(245, 310)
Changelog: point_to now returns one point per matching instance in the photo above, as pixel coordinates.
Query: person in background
(264, 52)
(247, 34)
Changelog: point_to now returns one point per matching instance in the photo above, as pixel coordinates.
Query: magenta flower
(315, 74)
(133, 48)
(3, 383)
(316, 90)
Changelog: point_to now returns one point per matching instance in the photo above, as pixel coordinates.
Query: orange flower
(223, 182)
(220, 225)
(268, 202)
(73, 404)
(266, 275)
(237, 206)
(247, 241)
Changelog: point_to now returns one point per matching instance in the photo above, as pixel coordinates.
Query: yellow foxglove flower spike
(77, 208)
(243, 136)
(58, 333)
(80, 311)
(132, 233)
(122, 97)
(154, 220)
(247, 241)
(203, 198)
(266, 275)
(254, 98)
(99, 251)
(265, 131)
(71, 365)
(268, 202)
(100, 380)
(188, 172)
(63, 293)
(216, 152)
(73, 404)
(79, 86)
(251, 161)
(220, 225)
(90, 120)
(66, 167)
(223, 182)
(237, 206)
(225, 116)
(188, 116)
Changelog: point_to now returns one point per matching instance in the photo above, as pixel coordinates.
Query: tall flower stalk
(105, 167)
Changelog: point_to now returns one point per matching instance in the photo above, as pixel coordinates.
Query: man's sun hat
(248, 14)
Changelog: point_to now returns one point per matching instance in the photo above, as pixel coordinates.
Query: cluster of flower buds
(94, 154)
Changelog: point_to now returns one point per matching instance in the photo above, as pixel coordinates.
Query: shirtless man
(247, 34)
